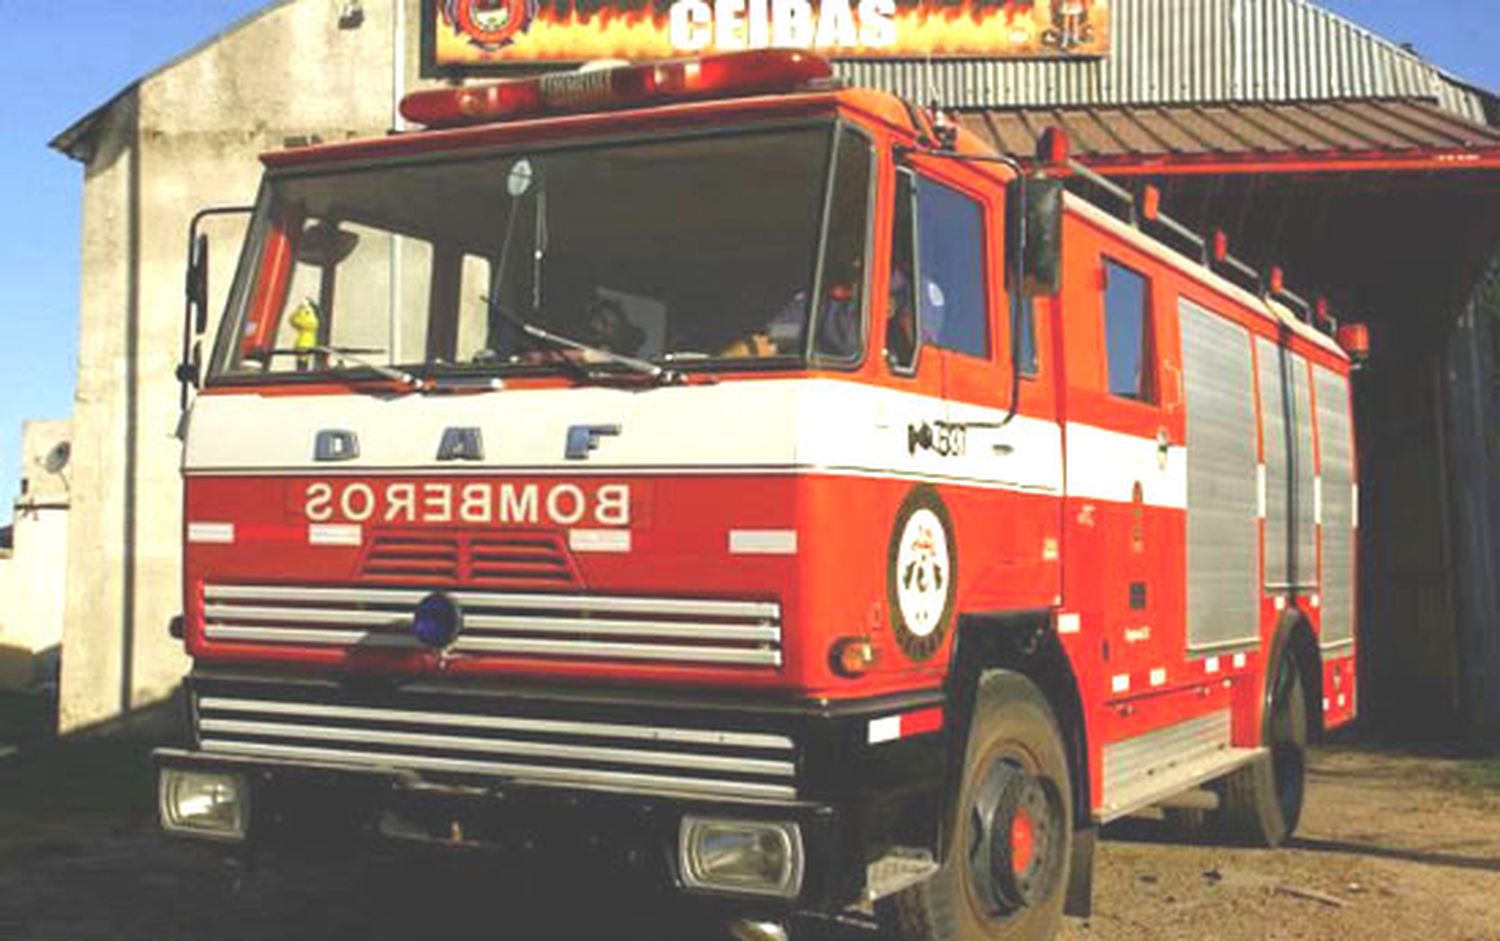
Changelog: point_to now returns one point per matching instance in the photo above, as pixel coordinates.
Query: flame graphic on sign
(969, 28)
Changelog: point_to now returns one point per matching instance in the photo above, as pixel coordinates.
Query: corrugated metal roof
(1194, 131)
(1185, 51)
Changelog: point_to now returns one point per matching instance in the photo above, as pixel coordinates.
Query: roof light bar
(754, 72)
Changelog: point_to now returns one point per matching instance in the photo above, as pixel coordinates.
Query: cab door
(1005, 471)
(1126, 468)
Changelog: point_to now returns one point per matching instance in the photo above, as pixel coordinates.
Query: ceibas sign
(724, 25)
(478, 33)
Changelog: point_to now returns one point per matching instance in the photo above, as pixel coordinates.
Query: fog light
(741, 856)
(204, 804)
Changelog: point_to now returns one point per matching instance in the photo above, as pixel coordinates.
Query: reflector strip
(1069, 623)
(763, 542)
(921, 722)
(905, 725)
(211, 533)
(599, 540)
(1211, 665)
(334, 534)
(1158, 676)
(1120, 683)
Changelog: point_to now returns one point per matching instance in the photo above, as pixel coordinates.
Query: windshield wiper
(353, 354)
(562, 344)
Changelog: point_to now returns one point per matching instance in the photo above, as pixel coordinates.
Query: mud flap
(1080, 900)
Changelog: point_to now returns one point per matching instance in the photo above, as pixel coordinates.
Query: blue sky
(58, 60)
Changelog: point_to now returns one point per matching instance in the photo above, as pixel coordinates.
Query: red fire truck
(766, 480)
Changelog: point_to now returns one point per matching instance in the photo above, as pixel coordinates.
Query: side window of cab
(1128, 349)
(901, 314)
(937, 280)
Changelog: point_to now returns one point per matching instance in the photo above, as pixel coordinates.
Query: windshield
(701, 250)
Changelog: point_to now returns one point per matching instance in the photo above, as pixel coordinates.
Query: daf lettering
(583, 440)
(461, 444)
(335, 445)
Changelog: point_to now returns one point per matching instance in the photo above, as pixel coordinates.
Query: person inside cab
(838, 323)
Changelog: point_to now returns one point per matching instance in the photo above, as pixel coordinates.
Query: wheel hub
(1015, 846)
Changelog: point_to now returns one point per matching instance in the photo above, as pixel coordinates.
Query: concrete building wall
(90, 671)
(184, 138)
(11, 670)
(33, 576)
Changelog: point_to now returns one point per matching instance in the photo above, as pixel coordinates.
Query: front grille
(539, 557)
(557, 749)
(598, 627)
(423, 559)
(520, 560)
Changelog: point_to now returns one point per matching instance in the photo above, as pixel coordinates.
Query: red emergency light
(1054, 150)
(1150, 205)
(754, 72)
(1354, 339)
(1324, 311)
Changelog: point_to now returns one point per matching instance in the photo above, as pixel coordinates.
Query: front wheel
(1005, 869)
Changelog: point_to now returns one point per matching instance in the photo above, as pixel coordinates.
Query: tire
(1262, 802)
(1190, 824)
(1014, 745)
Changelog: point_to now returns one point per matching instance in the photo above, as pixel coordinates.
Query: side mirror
(197, 283)
(1035, 207)
(195, 288)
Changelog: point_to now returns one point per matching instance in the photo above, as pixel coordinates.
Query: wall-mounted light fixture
(352, 14)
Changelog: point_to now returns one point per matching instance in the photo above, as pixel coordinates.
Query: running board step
(1141, 770)
(899, 869)
(1171, 778)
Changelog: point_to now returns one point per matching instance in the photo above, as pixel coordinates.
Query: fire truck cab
(765, 481)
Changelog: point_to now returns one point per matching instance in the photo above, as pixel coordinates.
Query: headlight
(741, 856)
(205, 804)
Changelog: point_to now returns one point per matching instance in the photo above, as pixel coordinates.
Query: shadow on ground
(1396, 837)
(82, 859)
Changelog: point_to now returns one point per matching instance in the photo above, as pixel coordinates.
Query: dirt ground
(1392, 846)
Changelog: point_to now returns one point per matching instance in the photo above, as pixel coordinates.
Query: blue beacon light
(437, 621)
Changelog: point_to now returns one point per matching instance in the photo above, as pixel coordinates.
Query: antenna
(935, 101)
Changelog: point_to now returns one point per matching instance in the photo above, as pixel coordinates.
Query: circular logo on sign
(921, 576)
(489, 24)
